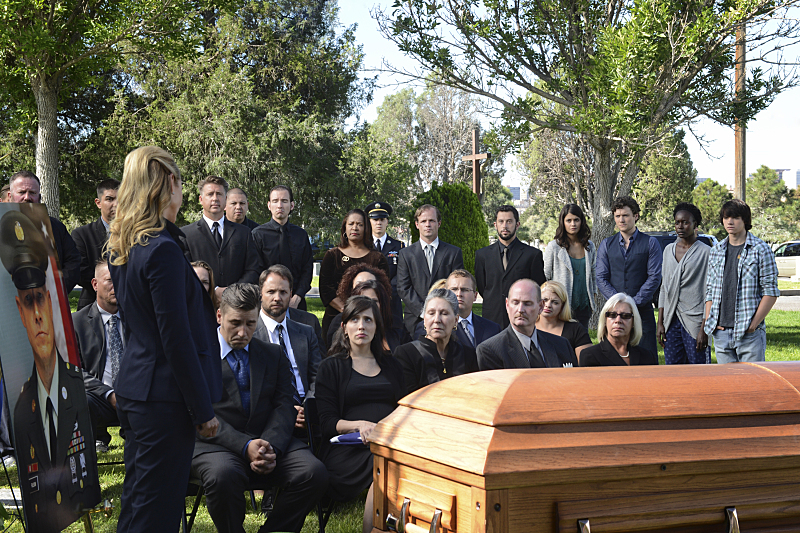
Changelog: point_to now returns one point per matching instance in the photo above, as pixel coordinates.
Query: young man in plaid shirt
(741, 288)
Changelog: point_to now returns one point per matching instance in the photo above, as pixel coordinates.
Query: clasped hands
(261, 456)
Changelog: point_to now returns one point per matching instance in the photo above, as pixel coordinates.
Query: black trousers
(159, 442)
(227, 475)
(103, 416)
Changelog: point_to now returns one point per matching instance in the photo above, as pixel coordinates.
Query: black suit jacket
(484, 329)
(89, 240)
(91, 334)
(272, 413)
(391, 250)
(305, 347)
(603, 354)
(504, 350)
(309, 319)
(236, 261)
(252, 224)
(493, 282)
(414, 279)
(43, 481)
(69, 258)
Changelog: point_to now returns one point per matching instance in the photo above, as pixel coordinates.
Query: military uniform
(391, 249)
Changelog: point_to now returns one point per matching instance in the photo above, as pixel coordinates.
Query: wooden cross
(476, 165)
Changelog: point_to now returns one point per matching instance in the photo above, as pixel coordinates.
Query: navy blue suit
(168, 380)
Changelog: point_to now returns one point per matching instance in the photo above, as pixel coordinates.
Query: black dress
(576, 334)
(330, 274)
(422, 364)
(344, 394)
(603, 354)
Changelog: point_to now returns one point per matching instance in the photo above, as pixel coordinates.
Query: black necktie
(378, 245)
(53, 438)
(283, 247)
(217, 236)
(296, 396)
(534, 353)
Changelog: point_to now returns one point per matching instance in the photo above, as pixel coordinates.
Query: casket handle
(733, 519)
(400, 525)
(584, 527)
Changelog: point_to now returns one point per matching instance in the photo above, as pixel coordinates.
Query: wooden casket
(711, 448)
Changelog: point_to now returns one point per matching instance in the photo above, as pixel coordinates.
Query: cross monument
(476, 165)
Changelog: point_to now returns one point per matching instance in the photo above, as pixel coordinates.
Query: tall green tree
(709, 196)
(773, 208)
(495, 193)
(621, 74)
(48, 49)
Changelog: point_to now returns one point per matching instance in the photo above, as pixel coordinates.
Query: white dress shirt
(272, 327)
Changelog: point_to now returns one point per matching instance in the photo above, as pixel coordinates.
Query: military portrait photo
(50, 420)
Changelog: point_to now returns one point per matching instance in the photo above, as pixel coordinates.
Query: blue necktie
(296, 395)
(115, 350)
(240, 364)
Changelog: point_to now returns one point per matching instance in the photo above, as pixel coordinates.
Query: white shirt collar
(52, 393)
(382, 239)
(435, 243)
(106, 316)
(224, 348)
(526, 341)
(271, 323)
(211, 224)
(468, 319)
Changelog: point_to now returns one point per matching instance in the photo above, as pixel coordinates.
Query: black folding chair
(325, 506)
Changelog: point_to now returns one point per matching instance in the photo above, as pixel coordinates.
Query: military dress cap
(22, 251)
(379, 210)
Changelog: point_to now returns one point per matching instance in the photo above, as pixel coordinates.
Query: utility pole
(740, 183)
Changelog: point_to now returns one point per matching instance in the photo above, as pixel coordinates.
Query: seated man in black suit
(309, 319)
(298, 341)
(472, 329)
(91, 238)
(254, 444)
(226, 246)
(521, 345)
(98, 328)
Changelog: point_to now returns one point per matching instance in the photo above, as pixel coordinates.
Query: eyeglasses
(624, 316)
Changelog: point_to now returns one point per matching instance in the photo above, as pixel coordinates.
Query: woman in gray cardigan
(569, 259)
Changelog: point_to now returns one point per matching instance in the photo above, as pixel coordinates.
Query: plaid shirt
(757, 277)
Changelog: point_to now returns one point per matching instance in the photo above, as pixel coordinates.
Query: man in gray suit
(521, 345)
(298, 341)
(424, 262)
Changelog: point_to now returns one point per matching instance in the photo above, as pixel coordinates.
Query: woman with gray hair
(437, 355)
(619, 331)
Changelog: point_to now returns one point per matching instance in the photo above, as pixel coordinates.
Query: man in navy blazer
(93, 330)
(471, 329)
(254, 445)
(228, 247)
(424, 262)
(521, 345)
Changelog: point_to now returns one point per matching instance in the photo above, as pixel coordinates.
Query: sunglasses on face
(624, 316)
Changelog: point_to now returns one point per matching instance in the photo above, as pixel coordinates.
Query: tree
(47, 49)
(495, 193)
(622, 73)
(765, 189)
(666, 178)
(709, 196)
(774, 210)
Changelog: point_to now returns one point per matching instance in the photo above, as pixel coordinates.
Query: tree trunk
(605, 185)
(46, 93)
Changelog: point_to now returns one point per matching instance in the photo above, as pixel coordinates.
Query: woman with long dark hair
(374, 289)
(170, 375)
(570, 258)
(355, 247)
(356, 387)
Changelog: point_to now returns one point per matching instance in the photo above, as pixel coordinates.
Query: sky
(772, 138)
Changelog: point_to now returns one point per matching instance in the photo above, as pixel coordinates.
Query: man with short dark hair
(630, 262)
(521, 345)
(98, 328)
(421, 264)
(24, 187)
(282, 243)
(254, 445)
(741, 288)
(499, 265)
(226, 246)
(236, 208)
(91, 238)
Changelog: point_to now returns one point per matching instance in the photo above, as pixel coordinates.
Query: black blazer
(309, 319)
(272, 413)
(391, 250)
(422, 364)
(484, 329)
(89, 240)
(332, 379)
(505, 351)
(69, 258)
(603, 354)
(414, 279)
(236, 261)
(91, 334)
(493, 282)
(305, 347)
(169, 325)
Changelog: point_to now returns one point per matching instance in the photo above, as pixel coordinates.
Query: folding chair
(195, 489)
(325, 506)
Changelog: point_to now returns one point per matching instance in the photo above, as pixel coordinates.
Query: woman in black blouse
(618, 332)
(355, 246)
(355, 389)
(556, 318)
(437, 355)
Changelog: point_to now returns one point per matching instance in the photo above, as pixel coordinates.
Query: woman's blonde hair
(145, 192)
(559, 290)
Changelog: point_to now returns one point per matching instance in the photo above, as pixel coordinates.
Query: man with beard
(499, 265)
(298, 341)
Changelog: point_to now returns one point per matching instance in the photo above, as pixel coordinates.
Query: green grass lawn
(783, 344)
(786, 285)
